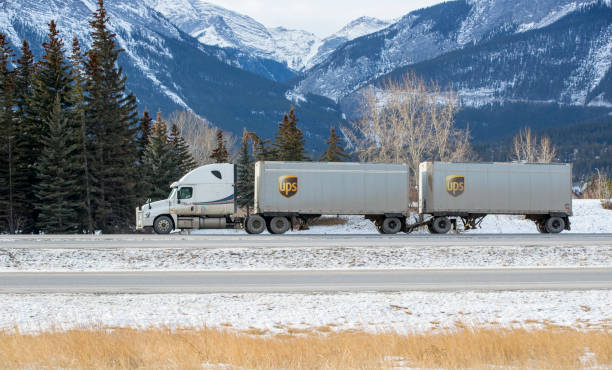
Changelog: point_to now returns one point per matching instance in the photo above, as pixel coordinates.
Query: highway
(307, 281)
(241, 240)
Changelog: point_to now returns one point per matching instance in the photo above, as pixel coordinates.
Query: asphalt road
(307, 281)
(240, 240)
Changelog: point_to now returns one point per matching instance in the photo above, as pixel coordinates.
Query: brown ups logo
(288, 186)
(455, 185)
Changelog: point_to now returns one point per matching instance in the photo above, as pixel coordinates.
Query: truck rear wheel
(163, 225)
(441, 225)
(554, 225)
(391, 225)
(278, 225)
(255, 224)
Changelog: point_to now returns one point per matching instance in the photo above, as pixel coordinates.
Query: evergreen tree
(289, 142)
(159, 161)
(334, 152)
(220, 153)
(84, 143)
(7, 138)
(51, 81)
(112, 122)
(183, 158)
(144, 131)
(245, 188)
(26, 145)
(58, 189)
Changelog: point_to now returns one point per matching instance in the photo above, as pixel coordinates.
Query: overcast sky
(322, 17)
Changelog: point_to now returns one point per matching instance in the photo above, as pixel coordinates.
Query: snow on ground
(279, 313)
(294, 258)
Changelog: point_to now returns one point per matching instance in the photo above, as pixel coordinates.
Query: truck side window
(185, 193)
(217, 174)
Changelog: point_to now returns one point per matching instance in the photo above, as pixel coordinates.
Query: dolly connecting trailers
(290, 194)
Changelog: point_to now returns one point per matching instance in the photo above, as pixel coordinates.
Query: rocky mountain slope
(168, 69)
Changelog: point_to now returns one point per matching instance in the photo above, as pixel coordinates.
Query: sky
(321, 17)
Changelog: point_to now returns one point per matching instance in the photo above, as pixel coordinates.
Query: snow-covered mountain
(215, 25)
(168, 69)
(459, 26)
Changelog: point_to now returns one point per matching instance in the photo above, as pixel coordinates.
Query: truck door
(185, 201)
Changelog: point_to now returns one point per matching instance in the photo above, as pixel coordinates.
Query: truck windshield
(172, 193)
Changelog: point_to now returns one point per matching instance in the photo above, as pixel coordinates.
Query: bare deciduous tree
(527, 148)
(201, 135)
(407, 122)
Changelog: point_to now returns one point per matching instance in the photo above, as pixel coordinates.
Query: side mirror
(149, 202)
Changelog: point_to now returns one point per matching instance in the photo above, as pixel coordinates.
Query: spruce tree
(58, 189)
(144, 131)
(26, 145)
(220, 153)
(245, 188)
(51, 81)
(334, 152)
(84, 142)
(289, 142)
(7, 138)
(112, 121)
(183, 158)
(159, 161)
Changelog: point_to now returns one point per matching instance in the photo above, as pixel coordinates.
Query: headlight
(148, 214)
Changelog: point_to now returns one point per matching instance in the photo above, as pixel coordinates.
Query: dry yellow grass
(329, 221)
(463, 348)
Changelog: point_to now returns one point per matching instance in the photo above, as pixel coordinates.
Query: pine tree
(51, 81)
(220, 153)
(245, 188)
(289, 142)
(57, 192)
(84, 144)
(26, 145)
(112, 121)
(7, 138)
(334, 152)
(159, 161)
(144, 131)
(183, 158)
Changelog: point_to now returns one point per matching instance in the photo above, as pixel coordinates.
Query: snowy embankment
(403, 312)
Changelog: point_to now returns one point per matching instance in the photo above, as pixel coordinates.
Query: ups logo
(455, 185)
(288, 186)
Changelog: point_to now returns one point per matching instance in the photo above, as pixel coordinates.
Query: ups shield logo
(455, 185)
(288, 186)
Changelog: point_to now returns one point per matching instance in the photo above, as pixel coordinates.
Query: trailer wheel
(441, 225)
(541, 228)
(391, 225)
(554, 225)
(278, 225)
(255, 224)
(163, 225)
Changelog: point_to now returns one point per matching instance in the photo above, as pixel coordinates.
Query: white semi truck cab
(203, 199)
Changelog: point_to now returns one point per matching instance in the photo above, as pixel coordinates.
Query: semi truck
(289, 195)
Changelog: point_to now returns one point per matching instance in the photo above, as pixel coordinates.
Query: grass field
(558, 348)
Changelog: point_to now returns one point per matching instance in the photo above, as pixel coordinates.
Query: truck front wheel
(255, 224)
(554, 225)
(391, 225)
(163, 225)
(278, 225)
(441, 225)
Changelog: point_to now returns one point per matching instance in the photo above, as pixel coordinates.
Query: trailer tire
(391, 225)
(441, 225)
(163, 225)
(279, 225)
(541, 228)
(255, 224)
(554, 225)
